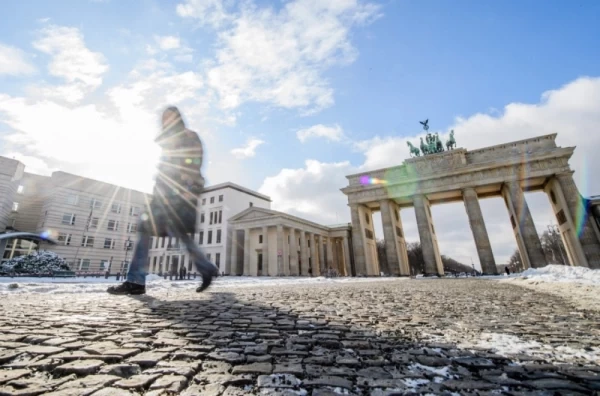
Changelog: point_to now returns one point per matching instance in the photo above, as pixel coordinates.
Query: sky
(289, 97)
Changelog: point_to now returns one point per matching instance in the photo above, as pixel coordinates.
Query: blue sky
(355, 76)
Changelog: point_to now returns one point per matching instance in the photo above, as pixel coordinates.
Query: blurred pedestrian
(172, 211)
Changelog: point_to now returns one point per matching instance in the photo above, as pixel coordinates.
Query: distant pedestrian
(507, 270)
(173, 208)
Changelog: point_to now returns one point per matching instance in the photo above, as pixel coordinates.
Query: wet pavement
(448, 336)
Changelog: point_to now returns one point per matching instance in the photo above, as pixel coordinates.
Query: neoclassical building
(265, 242)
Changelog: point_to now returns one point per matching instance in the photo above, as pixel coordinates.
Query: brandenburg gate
(451, 175)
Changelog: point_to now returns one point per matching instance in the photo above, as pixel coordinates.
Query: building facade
(264, 242)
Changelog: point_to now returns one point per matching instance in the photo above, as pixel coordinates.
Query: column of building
(247, 257)
(528, 241)
(480, 235)
(322, 263)
(314, 261)
(280, 252)
(294, 270)
(303, 253)
(265, 251)
(395, 246)
(431, 252)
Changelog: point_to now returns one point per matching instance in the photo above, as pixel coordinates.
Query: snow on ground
(579, 285)
(156, 283)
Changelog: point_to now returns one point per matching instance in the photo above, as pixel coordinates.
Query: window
(84, 264)
(95, 203)
(201, 218)
(134, 211)
(128, 244)
(68, 218)
(20, 189)
(203, 201)
(367, 219)
(132, 227)
(94, 222)
(72, 199)
(260, 239)
(217, 259)
(104, 265)
(220, 198)
(211, 218)
(154, 264)
(218, 236)
(15, 206)
(115, 208)
(220, 216)
(64, 238)
(209, 241)
(109, 243)
(113, 225)
(156, 242)
(162, 245)
(251, 204)
(201, 238)
(212, 200)
(87, 241)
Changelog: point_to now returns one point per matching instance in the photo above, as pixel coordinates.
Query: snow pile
(37, 262)
(563, 273)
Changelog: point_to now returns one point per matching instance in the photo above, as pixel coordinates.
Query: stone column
(247, 252)
(528, 239)
(322, 266)
(588, 236)
(358, 243)
(280, 255)
(389, 234)
(431, 252)
(347, 260)
(482, 241)
(303, 253)
(329, 253)
(294, 270)
(233, 267)
(265, 250)
(314, 262)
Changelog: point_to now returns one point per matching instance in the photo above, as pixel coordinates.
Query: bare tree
(515, 263)
(552, 243)
(381, 255)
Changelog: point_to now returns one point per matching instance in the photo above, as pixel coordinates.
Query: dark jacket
(179, 183)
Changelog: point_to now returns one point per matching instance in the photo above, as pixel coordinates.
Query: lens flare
(366, 180)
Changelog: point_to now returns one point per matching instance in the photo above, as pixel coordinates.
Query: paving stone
(329, 380)
(254, 368)
(207, 390)
(114, 392)
(216, 367)
(171, 383)
(290, 368)
(555, 384)
(121, 370)
(148, 359)
(278, 381)
(80, 367)
(476, 363)
(137, 381)
(41, 350)
(465, 385)
(9, 375)
(88, 385)
(229, 357)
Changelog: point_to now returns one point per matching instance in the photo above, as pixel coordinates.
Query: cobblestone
(376, 338)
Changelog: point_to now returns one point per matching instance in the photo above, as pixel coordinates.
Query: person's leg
(136, 276)
(137, 269)
(207, 269)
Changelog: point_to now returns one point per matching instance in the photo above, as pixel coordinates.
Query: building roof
(238, 188)
(274, 213)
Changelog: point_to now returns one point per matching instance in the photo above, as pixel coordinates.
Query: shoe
(127, 288)
(210, 271)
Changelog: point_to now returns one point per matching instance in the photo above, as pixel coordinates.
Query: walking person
(172, 211)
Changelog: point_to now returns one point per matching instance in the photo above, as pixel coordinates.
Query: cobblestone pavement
(371, 338)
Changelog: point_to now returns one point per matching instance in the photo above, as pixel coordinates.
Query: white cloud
(13, 62)
(207, 12)
(573, 111)
(166, 43)
(279, 57)
(81, 68)
(333, 132)
(32, 164)
(247, 151)
(311, 192)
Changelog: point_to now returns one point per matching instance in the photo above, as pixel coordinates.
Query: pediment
(253, 213)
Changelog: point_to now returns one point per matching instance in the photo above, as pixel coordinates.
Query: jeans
(138, 267)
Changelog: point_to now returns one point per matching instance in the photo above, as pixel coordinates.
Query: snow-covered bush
(36, 262)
